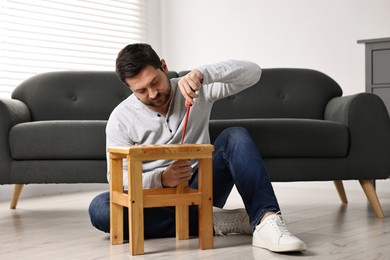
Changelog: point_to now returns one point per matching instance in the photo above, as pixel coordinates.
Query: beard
(162, 98)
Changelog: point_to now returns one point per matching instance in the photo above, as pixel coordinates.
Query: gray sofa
(53, 129)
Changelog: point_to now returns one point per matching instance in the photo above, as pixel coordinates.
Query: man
(154, 114)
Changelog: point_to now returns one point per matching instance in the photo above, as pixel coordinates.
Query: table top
(374, 40)
(163, 151)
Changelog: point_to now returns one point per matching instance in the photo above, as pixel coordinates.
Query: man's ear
(164, 66)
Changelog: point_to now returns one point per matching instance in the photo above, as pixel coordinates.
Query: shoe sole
(279, 248)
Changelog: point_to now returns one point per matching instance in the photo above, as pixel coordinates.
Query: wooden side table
(136, 199)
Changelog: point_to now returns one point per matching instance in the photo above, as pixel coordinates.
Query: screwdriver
(188, 106)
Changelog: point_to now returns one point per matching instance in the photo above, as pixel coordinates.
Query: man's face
(151, 86)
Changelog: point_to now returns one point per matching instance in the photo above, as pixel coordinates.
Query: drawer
(381, 66)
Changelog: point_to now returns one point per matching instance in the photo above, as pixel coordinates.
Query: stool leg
(182, 216)
(136, 207)
(205, 187)
(116, 211)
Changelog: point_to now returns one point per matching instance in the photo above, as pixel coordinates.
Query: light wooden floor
(57, 227)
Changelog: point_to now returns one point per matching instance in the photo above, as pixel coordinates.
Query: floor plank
(58, 227)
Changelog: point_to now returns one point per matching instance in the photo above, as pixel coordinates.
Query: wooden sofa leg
(15, 197)
(341, 191)
(369, 190)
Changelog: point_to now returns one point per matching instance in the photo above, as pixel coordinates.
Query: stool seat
(136, 198)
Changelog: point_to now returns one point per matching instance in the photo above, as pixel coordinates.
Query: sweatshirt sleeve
(228, 77)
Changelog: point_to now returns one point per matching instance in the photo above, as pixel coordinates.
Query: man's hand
(189, 84)
(177, 172)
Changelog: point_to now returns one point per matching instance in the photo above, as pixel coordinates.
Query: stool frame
(137, 198)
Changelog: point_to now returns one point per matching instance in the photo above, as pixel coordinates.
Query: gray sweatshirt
(133, 123)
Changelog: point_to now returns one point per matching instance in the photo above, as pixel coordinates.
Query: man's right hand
(190, 84)
(177, 172)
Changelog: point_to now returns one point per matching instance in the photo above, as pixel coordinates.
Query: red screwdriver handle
(188, 106)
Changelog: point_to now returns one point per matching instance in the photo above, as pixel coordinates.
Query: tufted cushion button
(282, 96)
(73, 98)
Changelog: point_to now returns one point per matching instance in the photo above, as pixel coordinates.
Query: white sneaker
(273, 235)
(231, 221)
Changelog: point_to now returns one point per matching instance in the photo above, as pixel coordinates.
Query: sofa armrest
(368, 123)
(12, 112)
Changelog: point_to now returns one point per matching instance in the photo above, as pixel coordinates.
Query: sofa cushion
(278, 138)
(58, 140)
(86, 139)
(281, 93)
(72, 95)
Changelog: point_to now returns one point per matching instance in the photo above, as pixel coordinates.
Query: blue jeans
(236, 161)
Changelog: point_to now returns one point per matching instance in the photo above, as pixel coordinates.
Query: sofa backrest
(281, 93)
(73, 95)
(92, 95)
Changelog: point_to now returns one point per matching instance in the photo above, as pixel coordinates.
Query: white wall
(153, 24)
(312, 34)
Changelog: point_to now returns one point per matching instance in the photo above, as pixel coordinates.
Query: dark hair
(134, 58)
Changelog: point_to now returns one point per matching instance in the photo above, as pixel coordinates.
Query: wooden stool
(136, 199)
